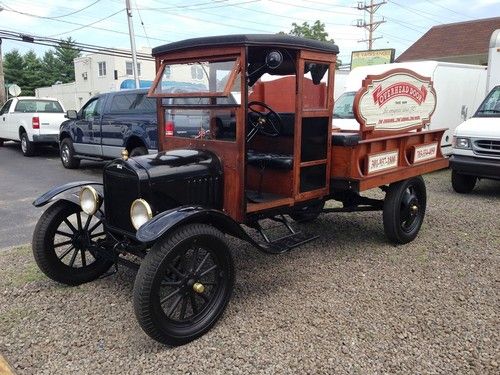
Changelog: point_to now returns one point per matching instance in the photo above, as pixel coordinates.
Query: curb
(5, 368)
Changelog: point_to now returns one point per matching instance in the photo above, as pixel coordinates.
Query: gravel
(347, 303)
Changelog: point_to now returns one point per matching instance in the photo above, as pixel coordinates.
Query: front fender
(43, 199)
(167, 221)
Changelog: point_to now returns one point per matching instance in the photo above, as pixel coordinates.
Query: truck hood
(488, 127)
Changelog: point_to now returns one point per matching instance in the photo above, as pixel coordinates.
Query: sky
(157, 22)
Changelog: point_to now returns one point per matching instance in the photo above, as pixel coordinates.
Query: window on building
(102, 68)
(167, 73)
(196, 72)
(128, 68)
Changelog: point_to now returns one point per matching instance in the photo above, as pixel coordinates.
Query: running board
(85, 157)
(284, 243)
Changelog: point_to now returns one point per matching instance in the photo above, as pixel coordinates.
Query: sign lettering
(382, 161)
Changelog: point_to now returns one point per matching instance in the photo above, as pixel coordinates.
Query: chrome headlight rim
(146, 206)
(96, 199)
(462, 143)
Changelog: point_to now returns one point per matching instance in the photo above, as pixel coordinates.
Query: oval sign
(395, 101)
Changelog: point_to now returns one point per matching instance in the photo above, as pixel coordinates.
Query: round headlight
(89, 200)
(140, 213)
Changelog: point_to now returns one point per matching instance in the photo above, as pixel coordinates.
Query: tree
(315, 31)
(50, 68)
(65, 54)
(13, 67)
(32, 77)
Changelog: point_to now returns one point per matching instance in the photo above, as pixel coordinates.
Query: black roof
(270, 40)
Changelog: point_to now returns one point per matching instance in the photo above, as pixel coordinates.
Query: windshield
(343, 106)
(201, 79)
(490, 107)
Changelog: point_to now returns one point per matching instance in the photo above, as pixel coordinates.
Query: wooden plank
(256, 207)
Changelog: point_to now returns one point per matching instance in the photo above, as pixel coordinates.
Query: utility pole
(372, 25)
(132, 43)
(2, 78)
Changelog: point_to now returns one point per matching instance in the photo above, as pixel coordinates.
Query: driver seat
(269, 160)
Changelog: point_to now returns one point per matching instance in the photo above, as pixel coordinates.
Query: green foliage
(315, 31)
(29, 72)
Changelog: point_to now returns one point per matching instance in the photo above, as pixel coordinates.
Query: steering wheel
(268, 124)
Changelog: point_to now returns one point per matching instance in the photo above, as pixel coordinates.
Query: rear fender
(66, 192)
(164, 223)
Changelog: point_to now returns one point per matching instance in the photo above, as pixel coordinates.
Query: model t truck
(263, 147)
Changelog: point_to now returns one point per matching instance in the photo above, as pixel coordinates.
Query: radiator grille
(120, 190)
(487, 147)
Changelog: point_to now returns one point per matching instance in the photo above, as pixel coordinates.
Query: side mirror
(72, 114)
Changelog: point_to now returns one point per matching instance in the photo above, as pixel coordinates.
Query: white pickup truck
(31, 121)
(476, 146)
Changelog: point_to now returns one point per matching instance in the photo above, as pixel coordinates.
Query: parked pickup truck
(476, 146)
(31, 121)
(106, 125)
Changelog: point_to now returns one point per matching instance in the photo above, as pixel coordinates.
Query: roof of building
(265, 40)
(454, 39)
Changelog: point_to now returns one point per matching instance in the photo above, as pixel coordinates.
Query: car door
(4, 120)
(87, 133)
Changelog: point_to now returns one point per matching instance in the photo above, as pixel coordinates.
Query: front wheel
(184, 284)
(404, 209)
(27, 147)
(67, 153)
(64, 243)
(462, 183)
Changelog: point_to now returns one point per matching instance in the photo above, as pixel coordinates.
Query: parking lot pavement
(23, 179)
(347, 303)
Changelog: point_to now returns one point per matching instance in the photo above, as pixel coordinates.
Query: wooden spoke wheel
(63, 243)
(404, 209)
(184, 284)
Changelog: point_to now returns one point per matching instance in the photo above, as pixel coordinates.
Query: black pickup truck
(106, 125)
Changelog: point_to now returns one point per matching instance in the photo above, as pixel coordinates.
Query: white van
(476, 146)
(460, 88)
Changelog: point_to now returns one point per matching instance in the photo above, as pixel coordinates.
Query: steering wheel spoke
(268, 124)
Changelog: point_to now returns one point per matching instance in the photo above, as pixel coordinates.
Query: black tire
(404, 209)
(462, 183)
(138, 151)
(27, 147)
(54, 240)
(308, 213)
(168, 272)
(67, 154)
(1, 142)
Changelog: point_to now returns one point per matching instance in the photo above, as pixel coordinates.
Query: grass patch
(18, 267)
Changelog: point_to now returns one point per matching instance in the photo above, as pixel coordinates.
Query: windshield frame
(201, 94)
(336, 115)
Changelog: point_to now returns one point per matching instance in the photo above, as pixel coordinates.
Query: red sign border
(368, 81)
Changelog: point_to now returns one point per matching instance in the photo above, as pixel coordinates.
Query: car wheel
(64, 244)
(67, 154)
(27, 147)
(184, 284)
(462, 183)
(138, 151)
(308, 213)
(404, 209)
(1, 142)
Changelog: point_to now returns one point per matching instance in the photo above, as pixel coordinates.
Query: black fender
(167, 221)
(45, 198)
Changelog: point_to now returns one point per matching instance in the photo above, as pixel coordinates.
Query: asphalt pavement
(23, 179)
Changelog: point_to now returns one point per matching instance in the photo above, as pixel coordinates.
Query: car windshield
(41, 106)
(200, 79)
(491, 105)
(343, 106)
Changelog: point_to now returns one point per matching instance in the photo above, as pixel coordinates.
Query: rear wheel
(27, 147)
(63, 241)
(404, 209)
(462, 183)
(138, 151)
(184, 284)
(1, 142)
(67, 153)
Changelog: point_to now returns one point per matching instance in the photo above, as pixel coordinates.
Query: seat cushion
(269, 160)
(345, 139)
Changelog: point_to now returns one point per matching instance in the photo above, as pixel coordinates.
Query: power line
(76, 11)
(311, 8)
(373, 25)
(142, 23)
(448, 9)
(79, 24)
(88, 25)
(421, 13)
